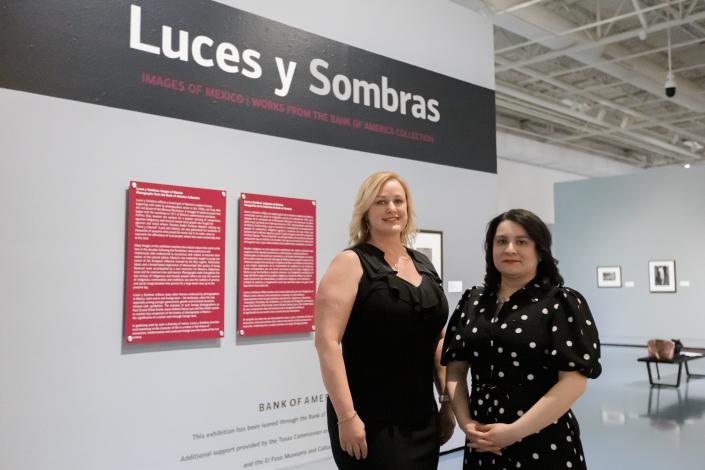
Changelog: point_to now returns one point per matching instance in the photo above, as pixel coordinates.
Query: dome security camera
(670, 85)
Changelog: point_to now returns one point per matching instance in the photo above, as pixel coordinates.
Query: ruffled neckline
(426, 295)
(537, 287)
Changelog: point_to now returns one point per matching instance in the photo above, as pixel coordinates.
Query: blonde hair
(359, 229)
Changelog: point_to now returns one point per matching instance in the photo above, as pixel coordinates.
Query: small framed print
(430, 243)
(662, 276)
(609, 276)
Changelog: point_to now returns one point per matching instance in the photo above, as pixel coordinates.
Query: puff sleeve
(576, 343)
(456, 338)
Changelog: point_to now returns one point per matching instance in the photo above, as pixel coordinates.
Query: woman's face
(513, 252)
(387, 215)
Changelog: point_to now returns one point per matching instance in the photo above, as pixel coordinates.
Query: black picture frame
(609, 276)
(662, 276)
(430, 243)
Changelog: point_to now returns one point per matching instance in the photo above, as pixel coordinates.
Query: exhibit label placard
(175, 265)
(207, 62)
(277, 265)
(287, 431)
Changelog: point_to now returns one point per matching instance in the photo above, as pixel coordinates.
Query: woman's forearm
(334, 377)
(457, 389)
(439, 376)
(554, 404)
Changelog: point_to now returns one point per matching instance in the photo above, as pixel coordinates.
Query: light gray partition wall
(72, 395)
(628, 220)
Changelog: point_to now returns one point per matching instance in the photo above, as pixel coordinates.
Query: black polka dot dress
(515, 355)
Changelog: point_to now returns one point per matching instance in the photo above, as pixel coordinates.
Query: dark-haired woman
(530, 345)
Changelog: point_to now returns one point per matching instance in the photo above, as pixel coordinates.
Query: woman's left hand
(500, 435)
(446, 423)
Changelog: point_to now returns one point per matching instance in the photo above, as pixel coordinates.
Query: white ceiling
(589, 75)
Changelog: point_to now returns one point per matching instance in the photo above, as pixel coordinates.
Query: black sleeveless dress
(388, 349)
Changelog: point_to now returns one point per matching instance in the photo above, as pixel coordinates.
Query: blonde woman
(385, 305)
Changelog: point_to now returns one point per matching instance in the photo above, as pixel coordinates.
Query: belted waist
(491, 403)
(490, 387)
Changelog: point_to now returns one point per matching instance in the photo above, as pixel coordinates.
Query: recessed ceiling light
(687, 165)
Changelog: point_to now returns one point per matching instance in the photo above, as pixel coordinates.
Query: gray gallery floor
(626, 424)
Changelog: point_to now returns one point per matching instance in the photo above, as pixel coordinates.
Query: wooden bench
(681, 360)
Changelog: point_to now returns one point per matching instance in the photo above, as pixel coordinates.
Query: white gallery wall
(525, 186)
(627, 221)
(527, 171)
(72, 395)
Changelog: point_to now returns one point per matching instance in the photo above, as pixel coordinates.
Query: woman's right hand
(476, 440)
(353, 439)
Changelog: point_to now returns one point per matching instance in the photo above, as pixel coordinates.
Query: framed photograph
(430, 243)
(609, 276)
(662, 276)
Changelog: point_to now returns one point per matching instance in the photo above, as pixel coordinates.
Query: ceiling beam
(640, 14)
(690, 67)
(568, 51)
(640, 73)
(604, 102)
(619, 9)
(577, 29)
(623, 144)
(639, 140)
(625, 57)
(585, 148)
(518, 6)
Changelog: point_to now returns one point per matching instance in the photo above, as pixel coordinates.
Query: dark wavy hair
(547, 269)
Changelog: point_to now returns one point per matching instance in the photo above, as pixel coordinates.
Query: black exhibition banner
(206, 62)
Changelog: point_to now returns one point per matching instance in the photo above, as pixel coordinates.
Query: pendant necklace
(395, 266)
